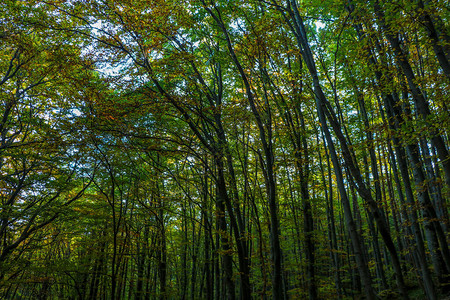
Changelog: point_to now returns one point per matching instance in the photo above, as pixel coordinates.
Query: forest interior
(224, 149)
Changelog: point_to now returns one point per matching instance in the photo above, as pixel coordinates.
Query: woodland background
(196, 149)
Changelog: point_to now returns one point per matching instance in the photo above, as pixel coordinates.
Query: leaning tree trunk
(323, 107)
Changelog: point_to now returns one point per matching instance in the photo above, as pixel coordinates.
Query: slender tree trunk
(308, 222)
(437, 39)
(421, 103)
(209, 286)
(351, 226)
(266, 140)
(390, 105)
(376, 181)
(303, 167)
(331, 225)
(222, 201)
(162, 264)
(394, 115)
(323, 107)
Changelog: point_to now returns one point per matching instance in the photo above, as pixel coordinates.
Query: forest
(224, 149)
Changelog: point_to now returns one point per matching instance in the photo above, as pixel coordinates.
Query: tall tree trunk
(266, 140)
(401, 158)
(421, 103)
(439, 40)
(209, 286)
(222, 224)
(331, 224)
(323, 107)
(351, 226)
(162, 249)
(308, 221)
(393, 114)
(376, 181)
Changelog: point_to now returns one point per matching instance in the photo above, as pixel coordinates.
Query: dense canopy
(229, 149)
